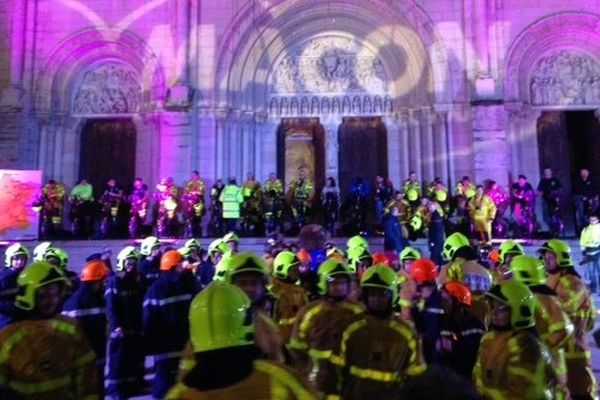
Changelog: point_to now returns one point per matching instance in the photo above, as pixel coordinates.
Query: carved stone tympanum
(108, 88)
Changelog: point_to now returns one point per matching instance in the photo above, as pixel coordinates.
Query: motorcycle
(273, 210)
(523, 212)
(80, 216)
(167, 218)
(216, 226)
(109, 213)
(139, 210)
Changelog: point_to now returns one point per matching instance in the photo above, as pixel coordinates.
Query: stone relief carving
(566, 78)
(332, 74)
(110, 88)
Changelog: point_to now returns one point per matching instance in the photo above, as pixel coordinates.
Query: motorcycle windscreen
(299, 153)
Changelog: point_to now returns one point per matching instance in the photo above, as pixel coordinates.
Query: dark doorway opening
(569, 141)
(108, 149)
(362, 150)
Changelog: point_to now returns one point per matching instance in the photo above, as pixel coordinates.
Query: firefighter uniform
(482, 211)
(165, 325)
(125, 357)
(289, 299)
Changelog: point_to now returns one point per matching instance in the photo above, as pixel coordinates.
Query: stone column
(331, 124)
(221, 142)
(234, 146)
(175, 157)
(206, 144)
(394, 149)
(268, 142)
(415, 156)
(490, 150)
(248, 148)
(402, 121)
(427, 158)
(441, 164)
(12, 96)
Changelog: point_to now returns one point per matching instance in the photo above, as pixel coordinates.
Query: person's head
(220, 318)
(94, 274)
(111, 183)
(357, 241)
(593, 219)
(52, 182)
(330, 182)
(305, 259)
(232, 241)
(407, 257)
(272, 176)
(556, 254)
(57, 257)
(195, 175)
(453, 244)
(455, 294)
(127, 260)
(248, 272)
(216, 249)
(522, 180)
(465, 180)
(16, 256)
(232, 180)
(83, 181)
(394, 211)
(193, 248)
(379, 179)
(286, 266)
(40, 250)
(172, 260)
(479, 190)
(379, 286)
(41, 289)
(424, 273)
(250, 176)
(334, 279)
(412, 176)
(359, 259)
(509, 249)
(584, 173)
(547, 173)
(302, 173)
(138, 183)
(150, 247)
(528, 270)
(512, 306)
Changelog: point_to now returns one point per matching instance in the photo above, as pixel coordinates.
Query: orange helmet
(423, 270)
(94, 270)
(303, 256)
(170, 259)
(459, 291)
(381, 258)
(494, 256)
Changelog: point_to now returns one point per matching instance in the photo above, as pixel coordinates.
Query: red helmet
(459, 291)
(170, 259)
(95, 270)
(303, 256)
(423, 270)
(381, 258)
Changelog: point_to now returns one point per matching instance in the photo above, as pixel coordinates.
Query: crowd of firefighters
(296, 323)
(253, 209)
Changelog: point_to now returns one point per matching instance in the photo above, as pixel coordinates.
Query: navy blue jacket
(8, 292)
(150, 270)
(124, 296)
(88, 308)
(166, 306)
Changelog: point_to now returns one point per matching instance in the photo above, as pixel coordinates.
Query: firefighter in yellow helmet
(227, 364)
(507, 250)
(463, 267)
(359, 259)
(512, 362)
(482, 211)
(465, 188)
(408, 287)
(357, 241)
(378, 350)
(290, 296)
(413, 186)
(552, 324)
(319, 326)
(45, 355)
(578, 305)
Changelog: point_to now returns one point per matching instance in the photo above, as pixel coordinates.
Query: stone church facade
(445, 88)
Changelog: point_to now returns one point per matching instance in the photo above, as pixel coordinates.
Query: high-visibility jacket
(268, 380)
(48, 359)
(590, 237)
(276, 186)
(555, 332)
(513, 365)
(231, 198)
(88, 308)
(408, 288)
(8, 292)
(316, 338)
(482, 209)
(579, 307)
(411, 185)
(376, 355)
(289, 299)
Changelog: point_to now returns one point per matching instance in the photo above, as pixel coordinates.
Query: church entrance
(108, 148)
(362, 151)
(301, 144)
(568, 141)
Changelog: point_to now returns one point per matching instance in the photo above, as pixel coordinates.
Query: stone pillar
(207, 145)
(248, 148)
(331, 124)
(12, 96)
(394, 149)
(175, 157)
(234, 146)
(402, 121)
(221, 143)
(440, 132)
(415, 156)
(427, 158)
(490, 150)
(268, 149)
